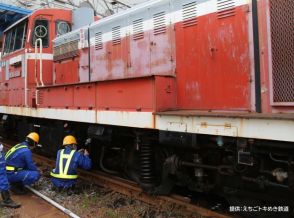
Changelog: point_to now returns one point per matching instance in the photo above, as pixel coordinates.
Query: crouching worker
(64, 176)
(20, 167)
(4, 185)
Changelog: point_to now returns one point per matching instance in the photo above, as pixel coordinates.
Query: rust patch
(203, 124)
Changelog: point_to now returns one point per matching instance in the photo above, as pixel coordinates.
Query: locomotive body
(200, 91)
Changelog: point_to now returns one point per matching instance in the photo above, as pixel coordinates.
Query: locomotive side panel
(165, 89)
(135, 94)
(161, 40)
(13, 79)
(213, 59)
(66, 71)
(98, 51)
(57, 97)
(113, 62)
(84, 96)
(71, 58)
(142, 94)
(83, 68)
(139, 43)
(132, 45)
(117, 50)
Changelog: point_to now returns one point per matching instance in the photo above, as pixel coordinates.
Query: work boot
(7, 201)
(18, 188)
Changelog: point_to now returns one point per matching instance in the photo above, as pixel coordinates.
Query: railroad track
(132, 190)
(34, 204)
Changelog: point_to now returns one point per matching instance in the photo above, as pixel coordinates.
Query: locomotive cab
(27, 55)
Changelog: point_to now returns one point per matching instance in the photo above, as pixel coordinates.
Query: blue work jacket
(77, 160)
(22, 158)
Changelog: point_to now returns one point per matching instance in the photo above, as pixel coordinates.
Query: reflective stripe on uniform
(10, 168)
(58, 176)
(13, 149)
(63, 172)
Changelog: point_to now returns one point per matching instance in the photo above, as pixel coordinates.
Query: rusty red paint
(165, 89)
(134, 94)
(58, 97)
(66, 71)
(213, 63)
(206, 66)
(132, 58)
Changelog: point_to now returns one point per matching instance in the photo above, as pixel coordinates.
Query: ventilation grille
(116, 35)
(225, 8)
(189, 13)
(282, 36)
(138, 32)
(98, 41)
(66, 50)
(159, 23)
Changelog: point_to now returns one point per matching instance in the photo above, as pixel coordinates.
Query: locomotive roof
(135, 8)
(106, 19)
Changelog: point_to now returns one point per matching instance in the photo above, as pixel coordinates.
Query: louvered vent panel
(98, 41)
(226, 8)
(66, 50)
(116, 35)
(282, 39)
(159, 23)
(189, 13)
(138, 31)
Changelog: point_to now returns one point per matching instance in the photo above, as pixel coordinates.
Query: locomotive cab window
(41, 31)
(15, 38)
(62, 27)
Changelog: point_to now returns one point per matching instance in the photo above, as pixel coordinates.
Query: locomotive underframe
(161, 161)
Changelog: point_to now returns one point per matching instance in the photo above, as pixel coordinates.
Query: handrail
(26, 81)
(37, 97)
(40, 58)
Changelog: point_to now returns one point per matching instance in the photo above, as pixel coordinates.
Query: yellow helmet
(34, 136)
(69, 140)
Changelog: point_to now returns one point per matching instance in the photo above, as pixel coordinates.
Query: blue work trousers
(4, 185)
(26, 177)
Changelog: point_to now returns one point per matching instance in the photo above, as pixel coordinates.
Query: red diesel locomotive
(169, 93)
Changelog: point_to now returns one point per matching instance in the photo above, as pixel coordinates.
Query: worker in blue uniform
(4, 185)
(20, 167)
(64, 176)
